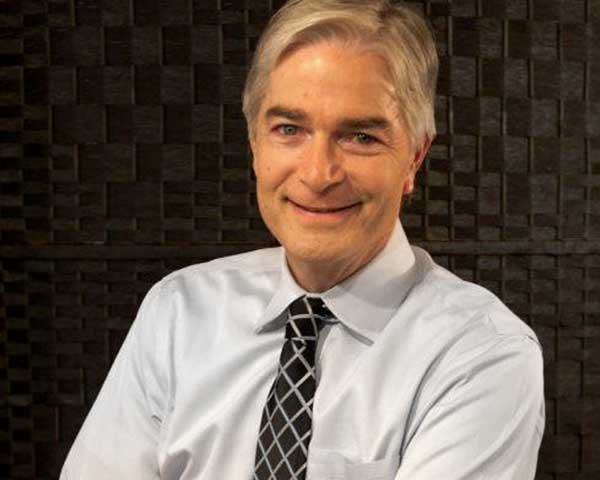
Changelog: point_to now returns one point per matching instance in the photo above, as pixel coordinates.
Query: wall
(123, 157)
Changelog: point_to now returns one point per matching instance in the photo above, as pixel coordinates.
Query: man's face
(331, 156)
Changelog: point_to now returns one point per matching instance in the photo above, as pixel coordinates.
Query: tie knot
(305, 318)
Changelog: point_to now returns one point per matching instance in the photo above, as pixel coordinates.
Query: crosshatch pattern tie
(286, 425)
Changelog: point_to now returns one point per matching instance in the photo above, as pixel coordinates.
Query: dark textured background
(123, 157)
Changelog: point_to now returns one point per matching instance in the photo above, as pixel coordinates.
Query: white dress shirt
(424, 376)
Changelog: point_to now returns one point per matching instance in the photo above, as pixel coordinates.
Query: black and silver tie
(286, 424)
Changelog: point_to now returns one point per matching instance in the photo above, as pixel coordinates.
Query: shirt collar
(365, 301)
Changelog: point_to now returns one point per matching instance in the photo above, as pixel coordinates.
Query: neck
(317, 279)
(317, 276)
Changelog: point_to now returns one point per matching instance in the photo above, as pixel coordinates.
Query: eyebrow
(367, 123)
(359, 123)
(289, 113)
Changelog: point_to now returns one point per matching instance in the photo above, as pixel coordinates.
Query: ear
(417, 161)
(252, 146)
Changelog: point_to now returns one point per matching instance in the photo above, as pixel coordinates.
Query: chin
(314, 251)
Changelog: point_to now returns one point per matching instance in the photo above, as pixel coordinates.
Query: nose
(320, 166)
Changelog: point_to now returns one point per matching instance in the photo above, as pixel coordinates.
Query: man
(347, 353)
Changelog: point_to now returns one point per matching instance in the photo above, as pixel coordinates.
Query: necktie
(286, 424)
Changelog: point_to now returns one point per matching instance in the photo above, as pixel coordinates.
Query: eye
(287, 129)
(363, 138)
(361, 143)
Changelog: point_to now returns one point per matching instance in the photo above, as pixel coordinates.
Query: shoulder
(201, 286)
(241, 267)
(454, 298)
(189, 304)
(464, 322)
(253, 262)
(468, 339)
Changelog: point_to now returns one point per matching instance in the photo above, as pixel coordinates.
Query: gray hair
(394, 31)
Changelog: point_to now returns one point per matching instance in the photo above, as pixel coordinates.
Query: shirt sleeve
(488, 423)
(119, 437)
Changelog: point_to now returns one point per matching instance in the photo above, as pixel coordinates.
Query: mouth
(323, 210)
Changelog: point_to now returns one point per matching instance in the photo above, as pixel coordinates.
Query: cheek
(269, 177)
(376, 181)
(272, 170)
(262, 166)
(386, 189)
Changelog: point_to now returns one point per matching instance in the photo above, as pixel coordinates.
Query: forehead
(330, 79)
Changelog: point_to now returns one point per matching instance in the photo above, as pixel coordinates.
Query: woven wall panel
(123, 156)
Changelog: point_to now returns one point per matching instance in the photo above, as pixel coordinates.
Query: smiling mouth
(324, 210)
